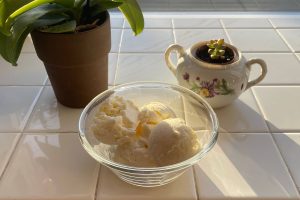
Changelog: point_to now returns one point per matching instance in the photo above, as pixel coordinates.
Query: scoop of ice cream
(117, 106)
(171, 141)
(155, 112)
(134, 153)
(150, 115)
(115, 119)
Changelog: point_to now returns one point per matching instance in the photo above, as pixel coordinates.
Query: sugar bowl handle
(180, 52)
(263, 66)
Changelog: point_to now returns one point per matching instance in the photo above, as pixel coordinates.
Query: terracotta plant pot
(76, 63)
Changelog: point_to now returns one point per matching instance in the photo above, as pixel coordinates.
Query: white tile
(150, 40)
(197, 23)
(280, 107)
(282, 68)
(286, 22)
(116, 22)
(188, 37)
(30, 71)
(244, 166)
(15, 104)
(292, 37)
(155, 23)
(289, 146)
(111, 188)
(143, 67)
(48, 82)
(7, 143)
(53, 166)
(257, 40)
(28, 45)
(242, 115)
(115, 40)
(112, 66)
(50, 116)
(246, 23)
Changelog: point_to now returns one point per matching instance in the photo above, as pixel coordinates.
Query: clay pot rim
(76, 33)
(236, 60)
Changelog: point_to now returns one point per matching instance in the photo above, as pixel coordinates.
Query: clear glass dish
(185, 103)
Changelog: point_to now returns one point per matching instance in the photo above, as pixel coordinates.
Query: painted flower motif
(204, 92)
(186, 76)
(209, 89)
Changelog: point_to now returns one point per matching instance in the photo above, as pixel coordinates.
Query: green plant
(216, 49)
(19, 17)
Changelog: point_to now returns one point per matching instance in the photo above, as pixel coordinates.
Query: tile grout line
(225, 30)
(119, 51)
(274, 141)
(8, 157)
(97, 182)
(23, 125)
(298, 58)
(28, 114)
(195, 182)
(257, 103)
(281, 36)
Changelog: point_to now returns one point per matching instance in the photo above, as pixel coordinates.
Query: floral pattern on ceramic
(219, 84)
(208, 89)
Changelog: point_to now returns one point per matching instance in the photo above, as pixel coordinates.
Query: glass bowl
(186, 104)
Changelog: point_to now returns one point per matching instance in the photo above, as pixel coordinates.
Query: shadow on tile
(249, 163)
(240, 117)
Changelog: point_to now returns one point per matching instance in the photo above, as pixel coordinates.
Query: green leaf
(98, 6)
(7, 7)
(78, 3)
(10, 46)
(68, 26)
(9, 20)
(105, 4)
(133, 14)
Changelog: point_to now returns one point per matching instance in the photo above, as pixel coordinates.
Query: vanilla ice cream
(116, 119)
(150, 115)
(134, 153)
(155, 112)
(149, 137)
(171, 141)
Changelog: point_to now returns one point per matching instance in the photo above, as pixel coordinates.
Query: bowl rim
(169, 168)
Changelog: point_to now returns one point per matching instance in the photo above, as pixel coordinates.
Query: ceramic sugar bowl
(218, 83)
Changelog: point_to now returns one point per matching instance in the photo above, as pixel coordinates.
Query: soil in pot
(203, 55)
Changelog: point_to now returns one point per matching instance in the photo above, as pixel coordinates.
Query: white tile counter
(257, 155)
